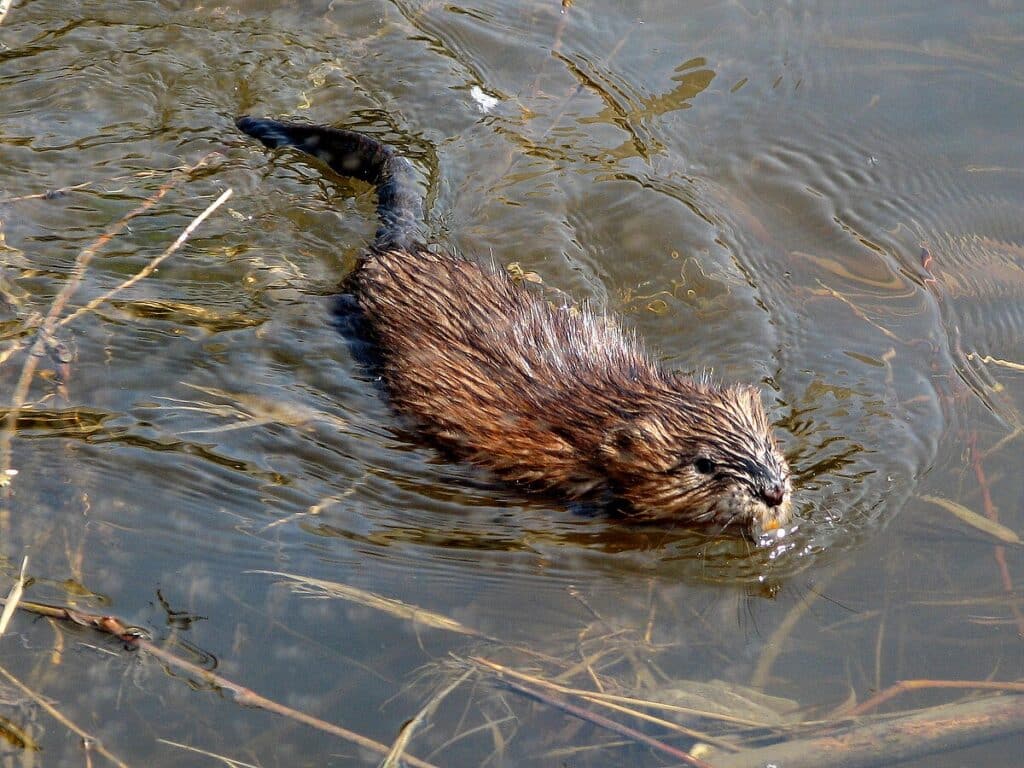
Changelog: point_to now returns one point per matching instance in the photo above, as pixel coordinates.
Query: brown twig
(397, 753)
(903, 686)
(597, 697)
(48, 194)
(778, 642)
(893, 739)
(603, 722)
(230, 762)
(51, 194)
(390, 606)
(977, 456)
(57, 715)
(89, 252)
(246, 697)
(151, 267)
(19, 396)
(998, 551)
(555, 695)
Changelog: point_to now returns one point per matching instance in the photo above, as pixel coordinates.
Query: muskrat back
(555, 399)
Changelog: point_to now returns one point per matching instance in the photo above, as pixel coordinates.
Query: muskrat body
(555, 399)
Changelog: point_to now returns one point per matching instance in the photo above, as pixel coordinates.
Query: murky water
(824, 199)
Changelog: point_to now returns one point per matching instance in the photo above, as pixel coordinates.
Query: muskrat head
(702, 455)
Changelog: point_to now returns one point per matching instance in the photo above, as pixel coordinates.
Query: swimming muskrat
(553, 399)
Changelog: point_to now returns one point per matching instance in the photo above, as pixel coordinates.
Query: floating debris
(484, 101)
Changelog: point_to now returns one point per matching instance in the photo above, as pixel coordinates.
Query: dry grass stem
(778, 642)
(152, 266)
(595, 718)
(19, 395)
(51, 193)
(599, 697)
(396, 608)
(993, 528)
(904, 686)
(61, 191)
(247, 410)
(992, 513)
(246, 697)
(666, 724)
(228, 761)
(13, 598)
(1003, 442)
(8, 352)
(618, 704)
(833, 293)
(989, 360)
(940, 51)
(317, 508)
(87, 254)
(397, 753)
(494, 726)
(56, 714)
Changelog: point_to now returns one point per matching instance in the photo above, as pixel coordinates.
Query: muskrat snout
(776, 510)
(774, 495)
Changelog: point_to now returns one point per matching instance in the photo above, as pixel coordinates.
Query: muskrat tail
(348, 153)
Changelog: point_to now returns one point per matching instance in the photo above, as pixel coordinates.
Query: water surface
(824, 200)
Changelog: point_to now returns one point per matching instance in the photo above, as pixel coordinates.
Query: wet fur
(551, 398)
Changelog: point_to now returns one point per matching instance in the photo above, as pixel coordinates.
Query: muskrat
(555, 399)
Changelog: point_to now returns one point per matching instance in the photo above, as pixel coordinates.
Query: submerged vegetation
(234, 557)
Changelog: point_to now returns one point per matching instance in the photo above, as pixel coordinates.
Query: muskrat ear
(625, 440)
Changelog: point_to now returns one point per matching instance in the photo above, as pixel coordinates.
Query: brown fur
(554, 399)
(562, 400)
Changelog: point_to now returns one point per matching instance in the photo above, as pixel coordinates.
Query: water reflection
(823, 201)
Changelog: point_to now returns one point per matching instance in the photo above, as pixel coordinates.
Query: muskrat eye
(704, 465)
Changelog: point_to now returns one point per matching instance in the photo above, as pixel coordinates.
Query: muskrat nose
(773, 495)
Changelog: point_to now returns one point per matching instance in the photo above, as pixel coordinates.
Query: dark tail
(399, 205)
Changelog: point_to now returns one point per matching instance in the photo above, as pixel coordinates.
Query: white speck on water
(483, 100)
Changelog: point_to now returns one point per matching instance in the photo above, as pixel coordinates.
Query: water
(824, 200)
